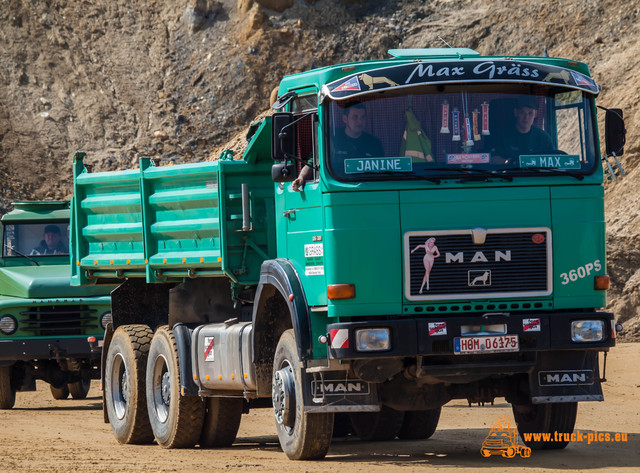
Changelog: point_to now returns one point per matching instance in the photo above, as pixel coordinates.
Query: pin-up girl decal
(431, 253)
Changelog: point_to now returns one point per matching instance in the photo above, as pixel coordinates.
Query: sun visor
(420, 73)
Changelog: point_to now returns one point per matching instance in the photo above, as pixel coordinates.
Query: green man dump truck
(48, 329)
(402, 233)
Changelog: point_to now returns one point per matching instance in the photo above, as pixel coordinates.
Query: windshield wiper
(414, 177)
(6, 247)
(552, 171)
(474, 174)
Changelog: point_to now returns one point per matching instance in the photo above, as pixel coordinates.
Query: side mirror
(283, 172)
(283, 140)
(615, 132)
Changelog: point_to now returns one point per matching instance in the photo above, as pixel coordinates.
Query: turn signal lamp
(601, 283)
(341, 291)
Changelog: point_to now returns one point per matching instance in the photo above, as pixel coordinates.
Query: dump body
(46, 323)
(447, 257)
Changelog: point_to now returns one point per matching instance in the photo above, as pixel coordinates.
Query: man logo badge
(476, 278)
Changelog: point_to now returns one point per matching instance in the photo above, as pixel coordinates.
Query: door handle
(289, 213)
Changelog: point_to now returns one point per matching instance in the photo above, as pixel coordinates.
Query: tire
(124, 384)
(59, 393)
(377, 426)
(176, 421)
(545, 418)
(221, 422)
(7, 393)
(302, 435)
(341, 425)
(419, 425)
(79, 389)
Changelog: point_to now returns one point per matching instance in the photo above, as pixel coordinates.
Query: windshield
(454, 130)
(35, 239)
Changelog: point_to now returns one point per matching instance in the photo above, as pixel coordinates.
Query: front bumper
(436, 336)
(49, 348)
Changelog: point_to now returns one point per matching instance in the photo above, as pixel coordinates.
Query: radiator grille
(58, 320)
(507, 262)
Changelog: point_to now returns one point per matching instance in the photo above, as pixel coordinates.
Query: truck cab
(48, 329)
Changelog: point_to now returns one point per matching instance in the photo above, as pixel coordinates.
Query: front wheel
(419, 425)
(377, 426)
(302, 435)
(80, 389)
(546, 419)
(7, 393)
(176, 420)
(59, 393)
(124, 389)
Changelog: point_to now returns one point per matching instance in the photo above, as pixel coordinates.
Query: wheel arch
(279, 290)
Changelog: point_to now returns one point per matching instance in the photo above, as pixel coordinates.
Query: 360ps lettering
(581, 272)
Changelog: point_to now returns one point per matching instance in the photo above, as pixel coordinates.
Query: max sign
(446, 71)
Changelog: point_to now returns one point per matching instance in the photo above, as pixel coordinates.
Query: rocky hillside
(177, 79)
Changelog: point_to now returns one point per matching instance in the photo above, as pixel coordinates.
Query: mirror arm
(281, 135)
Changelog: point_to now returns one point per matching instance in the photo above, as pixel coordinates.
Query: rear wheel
(546, 419)
(303, 436)
(80, 389)
(419, 425)
(59, 393)
(176, 420)
(221, 422)
(7, 393)
(377, 426)
(124, 384)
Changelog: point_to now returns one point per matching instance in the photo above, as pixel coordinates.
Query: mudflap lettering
(335, 391)
(566, 376)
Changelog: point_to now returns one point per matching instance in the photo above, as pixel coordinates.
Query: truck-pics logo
(565, 378)
(503, 440)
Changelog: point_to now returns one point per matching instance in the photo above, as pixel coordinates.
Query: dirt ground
(41, 434)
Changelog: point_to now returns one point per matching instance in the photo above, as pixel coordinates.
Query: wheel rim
(161, 388)
(119, 386)
(283, 397)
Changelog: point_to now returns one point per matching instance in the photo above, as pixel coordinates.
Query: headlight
(8, 324)
(587, 330)
(373, 339)
(106, 319)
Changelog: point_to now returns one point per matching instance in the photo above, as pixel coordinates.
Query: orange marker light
(202, 260)
(341, 291)
(601, 283)
(233, 376)
(164, 260)
(184, 260)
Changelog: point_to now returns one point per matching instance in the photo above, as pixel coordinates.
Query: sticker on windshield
(562, 161)
(470, 158)
(361, 165)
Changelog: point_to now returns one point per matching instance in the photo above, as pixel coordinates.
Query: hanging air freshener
(445, 117)
(456, 125)
(476, 135)
(485, 118)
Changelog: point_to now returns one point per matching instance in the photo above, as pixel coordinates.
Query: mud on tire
(221, 422)
(124, 385)
(545, 418)
(303, 436)
(7, 393)
(176, 420)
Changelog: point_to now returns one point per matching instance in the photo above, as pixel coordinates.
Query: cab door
(302, 210)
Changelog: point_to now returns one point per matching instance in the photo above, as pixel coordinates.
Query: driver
(522, 137)
(51, 243)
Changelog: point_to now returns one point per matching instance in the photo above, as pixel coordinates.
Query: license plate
(491, 344)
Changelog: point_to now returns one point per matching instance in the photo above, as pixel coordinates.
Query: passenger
(522, 138)
(51, 243)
